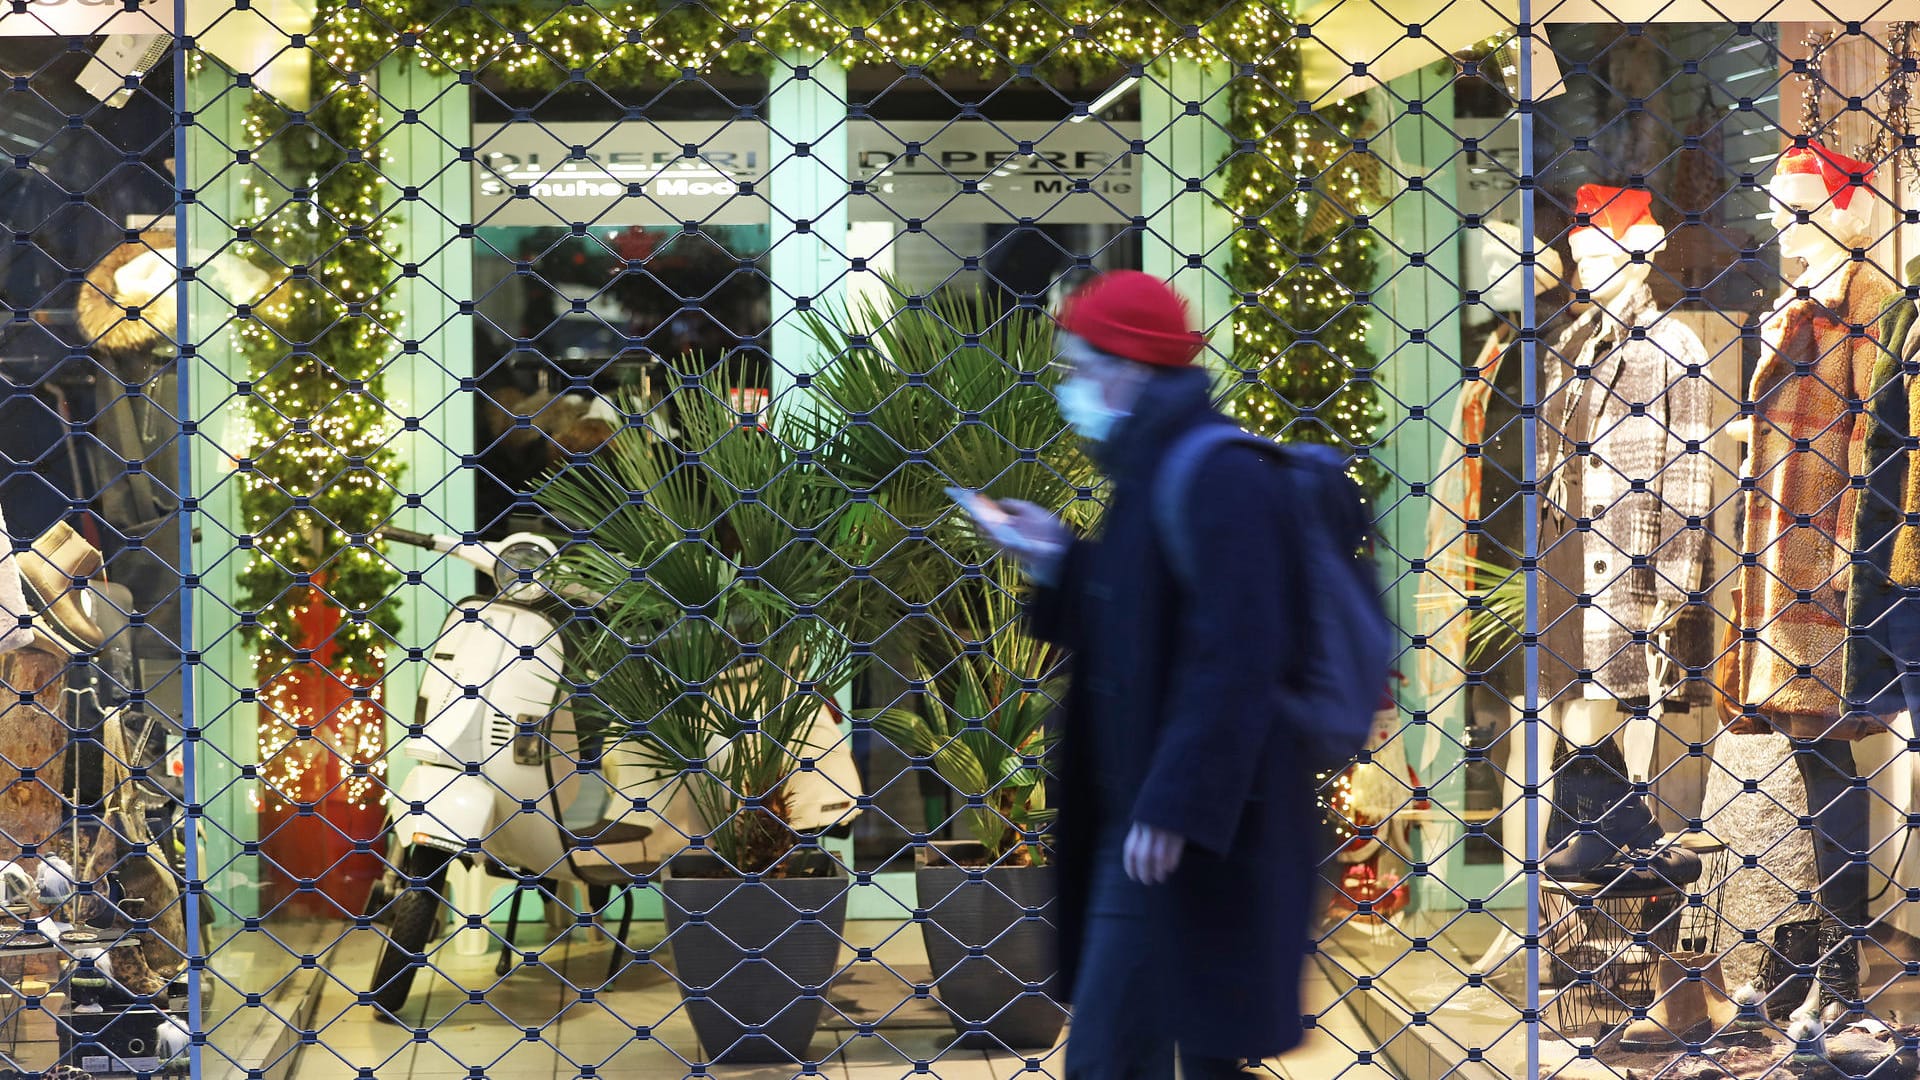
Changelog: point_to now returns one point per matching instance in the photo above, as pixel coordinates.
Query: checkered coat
(1624, 541)
(1800, 508)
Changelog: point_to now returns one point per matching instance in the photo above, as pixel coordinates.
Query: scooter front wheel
(416, 912)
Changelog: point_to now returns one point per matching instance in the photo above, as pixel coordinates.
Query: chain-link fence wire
(96, 852)
(574, 394)
(1710, 855)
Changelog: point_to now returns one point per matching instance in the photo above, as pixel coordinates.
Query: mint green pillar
(1424, 374)
(213, 370)
(1183, 118)
(434, 354)
(806, 185)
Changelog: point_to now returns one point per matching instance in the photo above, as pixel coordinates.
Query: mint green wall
(1182, 225)
(807, 104)
(229, 732)
(425, 383)
(1424, 376)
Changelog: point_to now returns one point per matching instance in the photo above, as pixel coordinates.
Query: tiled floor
(1433, 981)
(535, 1025)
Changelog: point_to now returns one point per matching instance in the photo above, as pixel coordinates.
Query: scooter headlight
(520, 561)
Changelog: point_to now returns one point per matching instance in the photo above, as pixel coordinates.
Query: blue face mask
(1084, 407)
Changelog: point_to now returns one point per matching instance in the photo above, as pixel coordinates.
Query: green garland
(319, 472)
(1299, 259)
(540, 45)
(1300, 337)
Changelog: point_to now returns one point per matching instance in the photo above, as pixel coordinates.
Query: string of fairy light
(320, 473)
(1300, 337)
(319, 469)
(1304, 367)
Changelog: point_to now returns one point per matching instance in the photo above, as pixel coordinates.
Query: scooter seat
(609, 832)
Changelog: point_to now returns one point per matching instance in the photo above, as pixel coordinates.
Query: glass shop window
(1688, 137)
(952, 205)
(579, 325)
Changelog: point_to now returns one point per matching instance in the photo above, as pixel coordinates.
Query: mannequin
(1798, 518)
(1619, 555)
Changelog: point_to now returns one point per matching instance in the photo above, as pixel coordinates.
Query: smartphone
(986, 512)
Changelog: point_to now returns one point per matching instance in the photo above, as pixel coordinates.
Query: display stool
(1603, 951)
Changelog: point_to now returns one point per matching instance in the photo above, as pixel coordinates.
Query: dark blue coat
(1173, 719)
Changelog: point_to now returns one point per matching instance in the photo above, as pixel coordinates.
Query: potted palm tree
(951, 390)
(982, 723)
(710, 653)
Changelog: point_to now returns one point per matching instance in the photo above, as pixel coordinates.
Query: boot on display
(52, 571)
(1838, 999)
(1690, 1006)
(1784, 981)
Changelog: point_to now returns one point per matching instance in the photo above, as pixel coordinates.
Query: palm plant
(951, 391)
(983, 720)
(1497, 609)
(714, 640)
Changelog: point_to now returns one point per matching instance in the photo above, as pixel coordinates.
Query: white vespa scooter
(499, 779)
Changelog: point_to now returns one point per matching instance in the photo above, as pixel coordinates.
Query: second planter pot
(1000, 997)
(753, 958)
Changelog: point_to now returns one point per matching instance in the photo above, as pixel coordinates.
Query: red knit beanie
(1135, 316)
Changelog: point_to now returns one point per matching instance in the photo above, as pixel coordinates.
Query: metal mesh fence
(491, 600)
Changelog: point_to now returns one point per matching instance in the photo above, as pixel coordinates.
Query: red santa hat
(1812, 177)
(1616, 220)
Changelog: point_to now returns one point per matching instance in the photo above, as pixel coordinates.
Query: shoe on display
(1596, 815)
(1583, 850)
(1838, 974)
(1646, 869)
(1778, 988)
(1690, 1005)
(52, 575)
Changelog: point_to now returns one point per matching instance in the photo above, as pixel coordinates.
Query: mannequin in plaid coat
(1800, 516)
(1810, 562)
(1634, 389)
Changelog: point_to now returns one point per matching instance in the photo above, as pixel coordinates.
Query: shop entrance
(491, 599)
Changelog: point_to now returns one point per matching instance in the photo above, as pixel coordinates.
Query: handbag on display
(16, 625)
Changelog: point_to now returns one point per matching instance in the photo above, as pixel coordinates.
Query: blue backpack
(1337, 682)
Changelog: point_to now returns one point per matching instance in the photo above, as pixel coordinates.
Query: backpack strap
(1175, 480)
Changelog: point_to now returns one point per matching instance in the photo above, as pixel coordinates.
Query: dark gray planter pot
(1003, 997)
(747, 1009)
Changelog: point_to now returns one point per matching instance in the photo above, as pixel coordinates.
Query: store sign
(984, 171)
(644, 173)
(618, 174)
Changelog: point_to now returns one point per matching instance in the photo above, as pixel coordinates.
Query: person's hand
(1152, 855)
(1033, 535)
